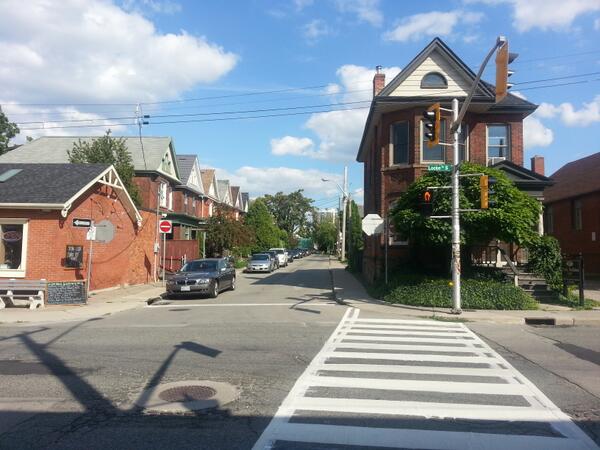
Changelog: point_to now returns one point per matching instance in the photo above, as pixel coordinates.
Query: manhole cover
(187, 393)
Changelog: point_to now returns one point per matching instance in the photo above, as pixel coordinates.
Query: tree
(354, 237)
(325, 235)
(8, 130)
(262, 223)
(225, 234)
(292, 212)
(513, 218)
(109, 150)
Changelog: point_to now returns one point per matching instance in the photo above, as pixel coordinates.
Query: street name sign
(440, 167)
(372, 224)
(82, 223)
(165, 226)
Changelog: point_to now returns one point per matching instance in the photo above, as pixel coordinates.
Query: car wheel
(215, 290)
(233, 284)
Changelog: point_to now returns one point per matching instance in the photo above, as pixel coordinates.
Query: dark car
(203, 276)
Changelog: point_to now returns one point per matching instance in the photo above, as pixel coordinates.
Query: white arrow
(82, 222)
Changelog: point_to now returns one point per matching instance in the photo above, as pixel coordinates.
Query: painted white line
(404, 357)
(427, 348)
(420, 385)
(466, 371)
(409, 339)
(210, 305)
(426, 409)
(417, 439)
(455, 330)
(412, 333)
(430, 323)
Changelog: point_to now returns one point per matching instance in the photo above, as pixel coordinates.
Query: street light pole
(455, 263)
(344, 205)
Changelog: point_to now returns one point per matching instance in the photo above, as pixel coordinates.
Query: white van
(282, 256)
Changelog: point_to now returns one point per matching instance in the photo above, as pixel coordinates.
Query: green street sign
(440, 167)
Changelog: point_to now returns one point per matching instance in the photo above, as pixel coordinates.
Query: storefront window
(11, 246)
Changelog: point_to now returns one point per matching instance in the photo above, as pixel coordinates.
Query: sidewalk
(351, 291)
(99, 304)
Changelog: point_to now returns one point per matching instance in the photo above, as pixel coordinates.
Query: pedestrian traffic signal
(503, 59)
(486, 185)
(427, 203)
(432, 125)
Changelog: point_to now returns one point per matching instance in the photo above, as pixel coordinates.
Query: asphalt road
(74, 385)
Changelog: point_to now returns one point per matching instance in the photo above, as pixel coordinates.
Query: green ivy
(545, 259)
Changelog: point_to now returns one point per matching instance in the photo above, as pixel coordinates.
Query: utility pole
(344, 204)
(455, 263)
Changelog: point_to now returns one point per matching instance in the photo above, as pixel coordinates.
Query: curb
(152, 300)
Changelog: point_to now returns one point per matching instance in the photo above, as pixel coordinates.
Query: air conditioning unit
(495, 160)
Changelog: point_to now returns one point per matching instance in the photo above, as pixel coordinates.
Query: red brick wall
(579, 241)
(127, 259)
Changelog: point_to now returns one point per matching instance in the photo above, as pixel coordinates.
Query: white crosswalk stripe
(416, 384)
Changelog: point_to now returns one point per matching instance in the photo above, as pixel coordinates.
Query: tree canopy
(325, 235)
(513, 218)
(262, 223)
(8, 130)
(109, 150)
(291, 212)
(227, 234)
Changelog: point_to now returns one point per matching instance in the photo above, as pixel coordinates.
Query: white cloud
(435, 23)
(289, 145)
(301, 4)
(339, 132)
(546, 14)
(588, 114)
(82, 51)
(269, 180)
(365, 10)
(153, 6)
(535, 134)
(315, 29)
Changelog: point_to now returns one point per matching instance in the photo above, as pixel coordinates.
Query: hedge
(475, 294)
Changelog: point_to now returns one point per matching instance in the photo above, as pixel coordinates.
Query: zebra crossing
(415, 384)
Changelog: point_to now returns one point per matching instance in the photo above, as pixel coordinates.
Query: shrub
(545, 259)
(476, 294)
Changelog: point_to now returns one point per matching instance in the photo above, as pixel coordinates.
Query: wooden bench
(14, 292)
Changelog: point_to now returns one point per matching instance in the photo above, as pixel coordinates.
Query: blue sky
(89, 62)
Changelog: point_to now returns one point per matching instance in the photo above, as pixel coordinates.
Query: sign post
(91, 235)
(165, 227)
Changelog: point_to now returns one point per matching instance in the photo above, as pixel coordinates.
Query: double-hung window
(436, 153)
(163, 195)
(399, 153)
(13, 247)
(498, 141)
(576, 215)
(463, 142)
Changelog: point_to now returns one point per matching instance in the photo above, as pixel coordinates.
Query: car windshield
(279, 252)
(260, 257)
(200, 266)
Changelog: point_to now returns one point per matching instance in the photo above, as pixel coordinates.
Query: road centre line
(207, 305)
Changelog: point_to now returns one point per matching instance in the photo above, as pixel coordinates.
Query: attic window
(434, 80)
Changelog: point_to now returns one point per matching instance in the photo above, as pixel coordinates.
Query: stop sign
(165, 226)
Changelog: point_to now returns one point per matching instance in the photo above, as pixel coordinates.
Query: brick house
(571, 210)
(392, 147)
(38, 236)
(209, 183)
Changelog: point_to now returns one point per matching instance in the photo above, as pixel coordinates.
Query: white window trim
(185, 199)
(18, 273)
(391, 145)
(163, 195)
(508, 157)
(422, 146)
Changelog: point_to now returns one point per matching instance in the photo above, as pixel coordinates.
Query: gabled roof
(224, 192)
(54, 150)
(209, 179)
(574, 179)
(58, 186)
(189, 172)
(484, 100)
(245, 201)
(236, 200)
(522, 177)
(186, 165)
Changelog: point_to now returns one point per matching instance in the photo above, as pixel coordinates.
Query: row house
(393, 147)
(169, 186)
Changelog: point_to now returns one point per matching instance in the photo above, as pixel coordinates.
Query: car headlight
(202, 281)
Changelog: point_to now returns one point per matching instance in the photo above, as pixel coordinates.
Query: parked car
(281, 256)
(273, 254)
(290, 255)
(260, 262)
(203, 276)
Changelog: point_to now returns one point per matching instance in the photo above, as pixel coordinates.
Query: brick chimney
(537, 164)
(378, 81)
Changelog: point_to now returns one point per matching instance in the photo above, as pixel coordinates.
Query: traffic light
(503, 59)
(486, 185)
(427, 203)
(432, 125)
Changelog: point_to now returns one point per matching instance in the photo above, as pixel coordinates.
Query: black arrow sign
(82, 223)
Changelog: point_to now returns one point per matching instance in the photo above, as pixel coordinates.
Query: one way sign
(82, 223)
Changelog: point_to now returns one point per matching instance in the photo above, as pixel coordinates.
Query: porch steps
(536, 286)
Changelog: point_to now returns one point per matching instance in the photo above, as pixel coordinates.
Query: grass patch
(447, 319)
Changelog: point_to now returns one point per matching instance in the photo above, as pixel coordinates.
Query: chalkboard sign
(66, 292)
